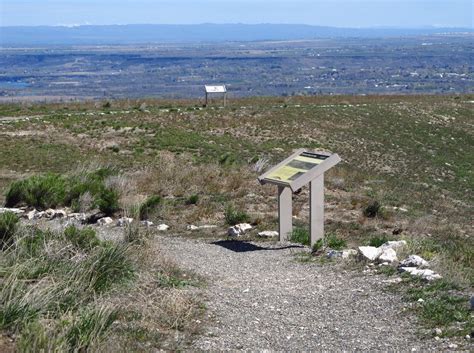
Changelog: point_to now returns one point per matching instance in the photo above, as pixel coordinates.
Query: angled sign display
(301, 168)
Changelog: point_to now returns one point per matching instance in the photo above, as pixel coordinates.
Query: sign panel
(296, 167)
(300, 168)
(215, 89)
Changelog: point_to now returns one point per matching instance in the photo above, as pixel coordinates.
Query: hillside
(410, 154)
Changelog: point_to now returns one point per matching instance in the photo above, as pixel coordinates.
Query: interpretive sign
(215, 89)
(301, 168)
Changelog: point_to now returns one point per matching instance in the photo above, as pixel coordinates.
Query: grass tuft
(233, 216)
(300, 235)
(85, 238)
(378, 240)
(8, 225)
(147, 208)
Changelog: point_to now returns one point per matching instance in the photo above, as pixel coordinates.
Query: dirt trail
(259, 298)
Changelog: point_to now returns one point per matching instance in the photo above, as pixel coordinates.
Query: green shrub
(94, 184)
(331, 241)
(373, 209)
(149, 206)
(318, 245)
(192, 200)
(8, 225)
(233, 216)
(107, 201)
(40, 191)
(166, 281)
(378, 240)
(52, 190)
(334, 242)
(300, 235)
(84, 238)
(227, 159)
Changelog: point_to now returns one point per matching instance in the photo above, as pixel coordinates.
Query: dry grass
(409, 153)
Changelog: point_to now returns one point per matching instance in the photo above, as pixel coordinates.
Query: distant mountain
(147, 34)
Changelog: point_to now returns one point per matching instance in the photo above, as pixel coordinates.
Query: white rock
(370, 252)
(268, 234)
(105, 221)
(244, 226)
(124, 221)
(395, 244)
(41, 214)
(233, 232)
(52, 214)
(14, 210)
(421, 300)
(207, 226)
(414, 261)
(33, 214)
(453, 346)
(49, 213)
(437, 331)
(60, 214)
(393, 280)
(163, 227)
(388, 255)
(238, 229)
(429, 275)
(78, 216)
(147, 223)
(348, 253)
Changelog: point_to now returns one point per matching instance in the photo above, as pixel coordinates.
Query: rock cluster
(92, 217)
(386, 254)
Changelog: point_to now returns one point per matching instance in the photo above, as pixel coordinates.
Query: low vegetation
(61, 291)
(149, 207)
(8, 225)
(406, 173)
(233, 216)
(83, 191)
(441, 304)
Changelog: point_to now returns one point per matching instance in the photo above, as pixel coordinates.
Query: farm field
(412, 155)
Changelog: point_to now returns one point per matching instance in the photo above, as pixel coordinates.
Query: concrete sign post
(301, 168)
(215, 89)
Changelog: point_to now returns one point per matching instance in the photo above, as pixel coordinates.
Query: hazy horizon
(238, 23)
(328, 13)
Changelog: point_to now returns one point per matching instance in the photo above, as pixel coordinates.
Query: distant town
(431, 64)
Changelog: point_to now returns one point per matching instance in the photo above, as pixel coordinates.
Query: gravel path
(260, 298)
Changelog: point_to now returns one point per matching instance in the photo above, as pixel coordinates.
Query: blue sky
(340, 13)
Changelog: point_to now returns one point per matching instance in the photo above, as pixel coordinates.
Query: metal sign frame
(215, 89)
(315, 178)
